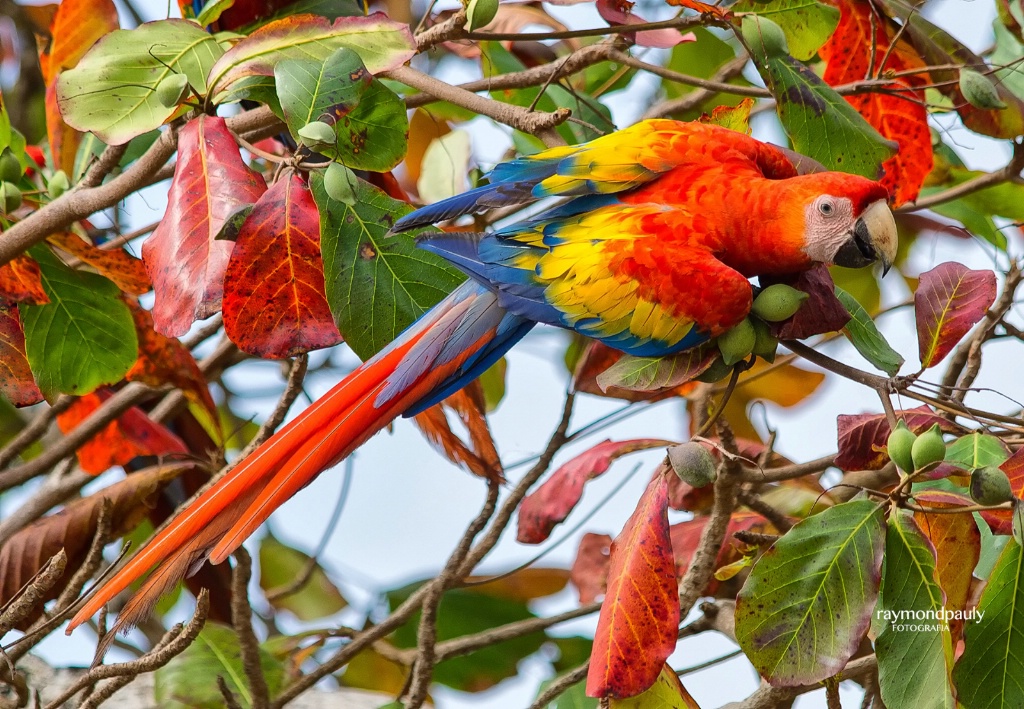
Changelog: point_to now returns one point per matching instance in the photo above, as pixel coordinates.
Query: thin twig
(561, 685)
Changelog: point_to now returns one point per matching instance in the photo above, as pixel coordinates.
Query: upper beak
(874, 238)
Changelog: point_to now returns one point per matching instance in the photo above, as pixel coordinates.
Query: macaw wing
(609, 165)
(609, 274)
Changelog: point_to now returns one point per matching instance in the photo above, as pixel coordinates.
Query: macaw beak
(874, 238)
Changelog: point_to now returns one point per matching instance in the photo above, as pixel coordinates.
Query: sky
(407, 505)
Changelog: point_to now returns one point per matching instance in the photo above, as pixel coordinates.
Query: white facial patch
(828, 224)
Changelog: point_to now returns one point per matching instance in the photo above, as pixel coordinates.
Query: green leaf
(466, 612)
(1007, 55)
(820, 122)
(655, 373)
(212, 11)
(376, 285)
(807, 23)
(111, 91)
(313, 91)
(374, 135)
(381, 43)
(189, 681)
(804, 608)
(864, 335)
(990, 673)
(976, 450)
(369, 120)
(84, 337)
(281, 565)
(912, 663)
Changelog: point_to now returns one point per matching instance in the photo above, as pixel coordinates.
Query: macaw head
(846, 220)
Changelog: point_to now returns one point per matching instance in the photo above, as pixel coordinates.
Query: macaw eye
(827, 208)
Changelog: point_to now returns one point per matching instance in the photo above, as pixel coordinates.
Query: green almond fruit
(979, 91)
(765, 344)
(340, 183)
(900, 446)
(693, 463)
(480, 13)
(317, 133)
(764, 36)
(928, 448)
(990, 486)
(10, 168)
(10, 197)
(172, 90)
(58, 184)
(778, 302)
(737, 344)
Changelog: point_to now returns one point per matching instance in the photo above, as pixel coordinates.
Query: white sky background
(407, 505)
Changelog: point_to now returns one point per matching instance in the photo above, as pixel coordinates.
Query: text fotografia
(927, 620)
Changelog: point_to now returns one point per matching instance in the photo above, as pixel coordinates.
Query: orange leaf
(72, 529)
(21, 282)
(130, 435)
(128, 272)
(639, 620)
(77, 25)
(482, 457)
(16, 381)
(902, 118)
(64, 140)
(164, 360)
(184, 259)
(274, 300)
(703, 8)
(523, 585)
(957, 543)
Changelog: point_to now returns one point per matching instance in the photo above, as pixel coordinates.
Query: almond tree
(290, 136)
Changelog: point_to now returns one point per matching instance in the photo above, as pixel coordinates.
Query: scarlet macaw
(664, 223)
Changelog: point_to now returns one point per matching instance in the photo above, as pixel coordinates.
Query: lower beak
(874, 238)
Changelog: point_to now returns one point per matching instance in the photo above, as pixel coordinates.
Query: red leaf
(16, 381)
(185, 262)
(1014, 469)
(480, 459)
(639, 620)
(589, 572)
(949, 301)
(822, 312)
(21, 282)
(552, 502)
(863, 437)
(274, 300)
(131, 435)
(957, 543)
(686, 538)
(164, 360)
(901, 117)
